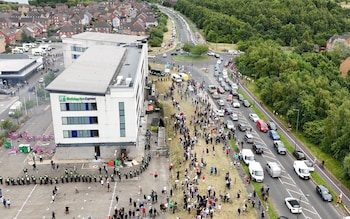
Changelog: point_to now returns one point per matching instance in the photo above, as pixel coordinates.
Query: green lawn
(191, 58)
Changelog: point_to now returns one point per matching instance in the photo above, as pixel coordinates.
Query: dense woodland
(304, 79)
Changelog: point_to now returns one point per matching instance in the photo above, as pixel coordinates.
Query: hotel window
(75, 56)
(80, 133)
(78, 106)
(122, 119)
(79, 120)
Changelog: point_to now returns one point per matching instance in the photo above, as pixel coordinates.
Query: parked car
(242, 127)
(262, 126)
(220, 90)
(274, 135)
(235, 103)
(253, 117)
(230, 125)
(227, 87)
(4, 91)
(220, 113)
(31, 88)
(299, 155)
(234, 85)
(221, 102)
(310, 165)
(211, 54)
(324, 193)
(41, 80)
(271, 124)
(240, 97)
(228, 111)
(293, 205)
(234, 92)
(246, 103)
(280, 148)
(248, 137)
(216, 73)
(215, 95)
(229, 98)
(234, 116)
(258, 149)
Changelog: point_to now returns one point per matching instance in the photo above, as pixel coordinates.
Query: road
(289, 184)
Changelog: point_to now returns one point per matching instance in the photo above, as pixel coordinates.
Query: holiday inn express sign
(76, 99)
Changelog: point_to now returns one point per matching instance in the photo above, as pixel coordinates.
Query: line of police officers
(70, 176)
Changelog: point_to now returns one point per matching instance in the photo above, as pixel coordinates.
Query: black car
(271, 125)
(324, 193)
(242, 127)
(258, 149)
(299, 155)
(173, 54)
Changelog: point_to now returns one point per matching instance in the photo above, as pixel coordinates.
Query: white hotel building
(97, 102)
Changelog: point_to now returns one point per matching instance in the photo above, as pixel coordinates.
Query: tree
(199, 49)
(187, 47)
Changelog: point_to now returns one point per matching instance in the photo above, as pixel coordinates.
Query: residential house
(5, 22)
(151, 22)
(44, 23)
(9, 35)
(344, 39)
(25, 20)
(345, 67)
(33, 14)
(102, 27)
(59, 19)
(2, 44)
(60, 8)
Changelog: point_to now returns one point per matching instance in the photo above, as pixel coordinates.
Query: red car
(220, 90)
(229, 98)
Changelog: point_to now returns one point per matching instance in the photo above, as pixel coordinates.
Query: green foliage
(289, 22)
(199, 50)
(26, 38)
(187, 47)
(156, 33)
(7, 125)
(307, 81)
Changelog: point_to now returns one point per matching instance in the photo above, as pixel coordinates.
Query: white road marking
(112, 199)
(25, 202)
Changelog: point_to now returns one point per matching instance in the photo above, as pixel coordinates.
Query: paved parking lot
(93, 200)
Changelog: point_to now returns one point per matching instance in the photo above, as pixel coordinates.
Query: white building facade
(97, 102)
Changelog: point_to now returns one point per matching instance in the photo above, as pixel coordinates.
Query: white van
(16, 107)
(301, 169)
(176, 78)
(256, 171)
(248, 156)
(273, 169)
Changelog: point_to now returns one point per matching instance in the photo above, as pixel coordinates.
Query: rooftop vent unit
(119, 79)
(128, 81)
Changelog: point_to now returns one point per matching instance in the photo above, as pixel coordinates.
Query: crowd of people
(202, 125)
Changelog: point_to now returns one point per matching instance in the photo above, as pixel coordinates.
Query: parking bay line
(25, 202)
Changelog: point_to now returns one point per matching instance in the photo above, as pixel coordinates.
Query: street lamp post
(297, 127)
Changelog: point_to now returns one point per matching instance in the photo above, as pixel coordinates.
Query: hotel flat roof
(96, 69)
(106, 37)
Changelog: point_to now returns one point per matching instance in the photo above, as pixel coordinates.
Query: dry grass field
(220, 160)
